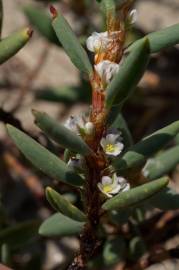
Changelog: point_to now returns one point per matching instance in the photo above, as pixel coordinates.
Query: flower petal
(106, 180)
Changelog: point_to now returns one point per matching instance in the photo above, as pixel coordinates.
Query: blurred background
(42, 77)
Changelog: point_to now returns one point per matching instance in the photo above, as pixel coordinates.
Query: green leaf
(129, 75)
(60, 225)
(60, 134)
(20, 234)
(61, 204)
(121, 216)
(135, 195)
(137, 154)
(1, 16)
(114, 251)
(5, 255)
(42, 22)
(66, 95)
(162, 164)
(109, 7)
(161, 39)
(42, 158)
(121, 125)
(71, 44)
(11, 45)
(166, 200)
(137, 248)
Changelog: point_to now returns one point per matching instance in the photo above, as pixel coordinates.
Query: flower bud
(89, 128)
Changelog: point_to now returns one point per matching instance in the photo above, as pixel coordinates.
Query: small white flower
(75, 123)
(97, 42)
(100, 42)
(133, 16)
(112, 145)
(106, 70)
(113, 185)
(75, 164)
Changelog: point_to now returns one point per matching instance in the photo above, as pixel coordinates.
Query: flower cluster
(105, 45)
(108, 49)
(100, 43)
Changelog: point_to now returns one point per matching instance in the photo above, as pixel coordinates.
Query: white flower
(112, 145)
(98, 42)
(75, 123)
(79, 125)
(106, 70)
(75, 164)
(113, 185)
(133, 16)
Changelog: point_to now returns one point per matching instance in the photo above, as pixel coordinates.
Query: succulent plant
(115, 177)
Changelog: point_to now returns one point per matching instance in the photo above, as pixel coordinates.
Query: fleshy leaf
(121, 125)
(129, 75)
(166, 200)
(11, 45)
(137, 154)
(20, 234)
(42, 158)
(137, 248)
(135, 195)
(42, 22)
(161, 39)
(61, 204)
(60, 225)
(162, 164)
(60, 134)
(114, 251)
(71, 44)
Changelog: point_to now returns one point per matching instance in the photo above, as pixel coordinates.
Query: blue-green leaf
(61, 204)
(162, 164)
(161, 39)
(135, 195)
(129, 75)
(71, 44)
(42, 22)
(167, 199)
(137, 154)
(60, 134)
(59, 225)
(42, 158)
(10, 45)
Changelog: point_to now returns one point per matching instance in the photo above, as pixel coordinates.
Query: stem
(89, 241)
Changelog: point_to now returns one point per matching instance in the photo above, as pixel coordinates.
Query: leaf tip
(53, 11)
(29, 32)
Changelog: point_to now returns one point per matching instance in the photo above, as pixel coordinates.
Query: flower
(133, 16)
(75, 123)
(79, 125)
(106, 70)
(76, 164)
(112, 145)
(113, 185)
(98, 41)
